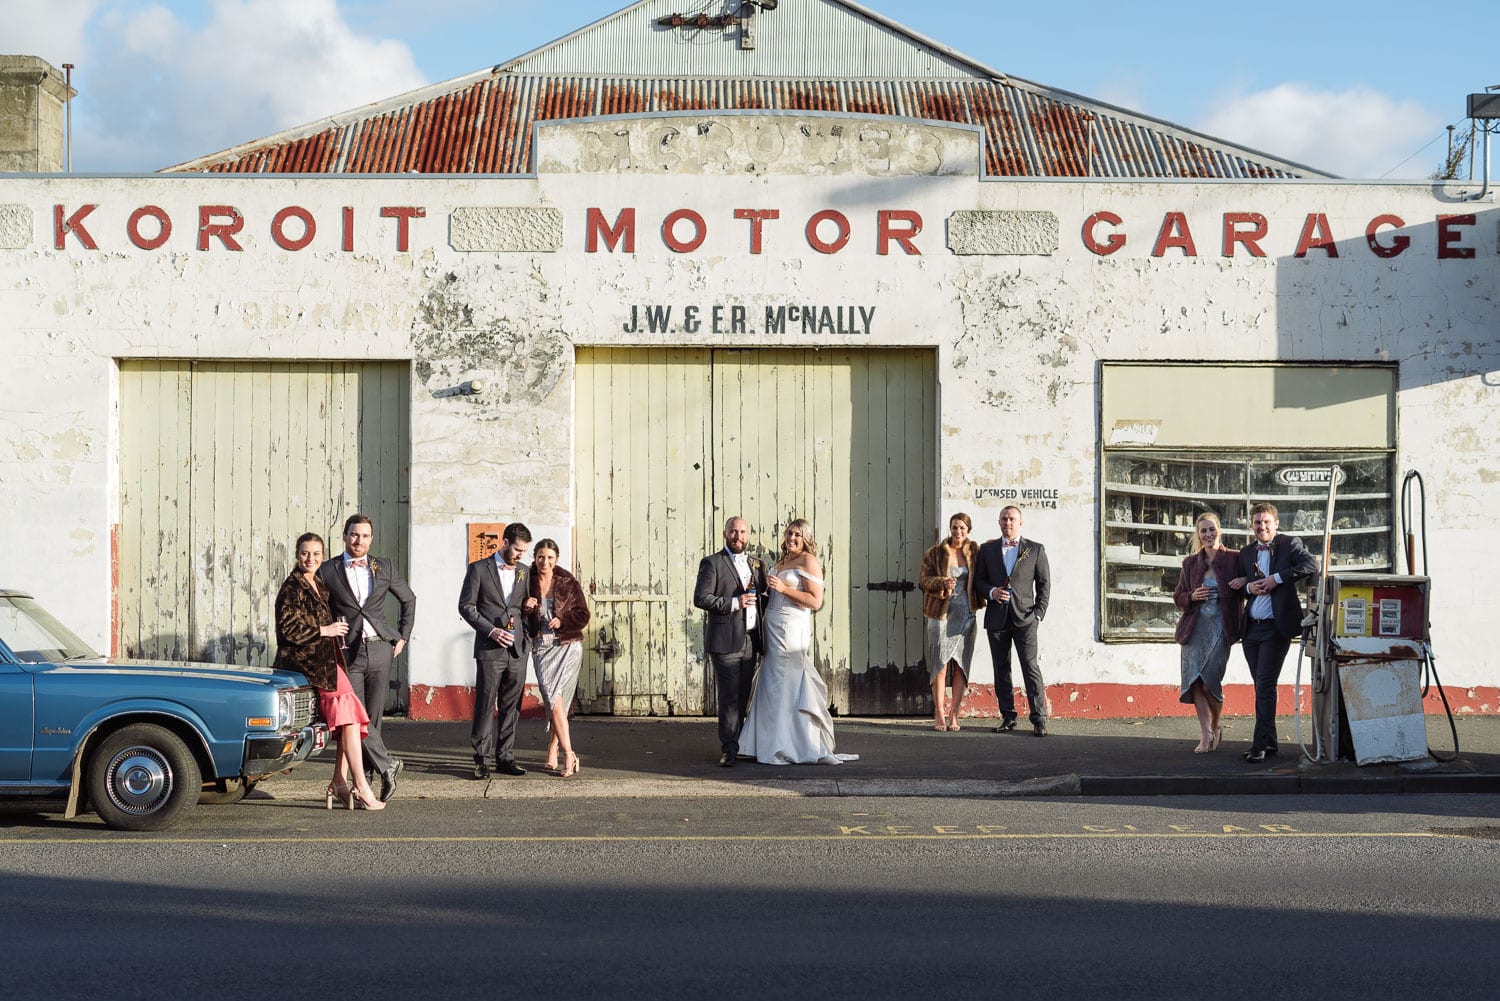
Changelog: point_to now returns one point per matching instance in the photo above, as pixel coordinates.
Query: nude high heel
(572, 766)
(365, 801)
(340, 793)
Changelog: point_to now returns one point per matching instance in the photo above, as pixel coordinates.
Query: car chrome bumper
(274, 752)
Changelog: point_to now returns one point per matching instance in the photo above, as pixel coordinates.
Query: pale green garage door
(222, 466)
(671, 442)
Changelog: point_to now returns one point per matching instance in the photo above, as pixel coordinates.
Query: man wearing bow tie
(730, 585)
(1269, 570)
(493, 603)
(357, 587)
(1014, 575)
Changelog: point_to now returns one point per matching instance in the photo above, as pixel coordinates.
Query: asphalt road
(1249, 897)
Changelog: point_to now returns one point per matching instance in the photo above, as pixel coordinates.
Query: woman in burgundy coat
(1209, 626)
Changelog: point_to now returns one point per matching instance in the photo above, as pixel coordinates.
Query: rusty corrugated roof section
(485, 127)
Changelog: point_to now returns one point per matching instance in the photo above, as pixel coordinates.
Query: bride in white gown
(788, 721)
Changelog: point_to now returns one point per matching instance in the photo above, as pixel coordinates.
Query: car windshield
(36, 637)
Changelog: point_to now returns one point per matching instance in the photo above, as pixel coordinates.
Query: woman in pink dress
(308, 642)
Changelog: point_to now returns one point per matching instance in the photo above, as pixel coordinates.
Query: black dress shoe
(1006, 727)
(482, 770)
(1039, 729)
(509, 768)
(388, 779)
(1271, 752)
(726, 760)
(1256, 755)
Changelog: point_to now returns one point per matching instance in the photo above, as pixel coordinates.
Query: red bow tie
(1263, 547)
(361, 562)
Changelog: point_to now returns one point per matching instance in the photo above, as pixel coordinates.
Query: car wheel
(142, 778)
(225, 792)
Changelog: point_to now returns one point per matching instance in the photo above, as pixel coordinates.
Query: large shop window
(1181, 439)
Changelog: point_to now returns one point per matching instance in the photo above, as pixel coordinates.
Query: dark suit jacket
(483, 605)
(301, 612)
(717, 592)
(1030, 584)
(384, 580)
(1290, 558)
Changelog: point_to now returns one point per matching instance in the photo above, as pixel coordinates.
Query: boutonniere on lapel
(755, 565)
(520, 574)
(1025, 551)
(374, 568)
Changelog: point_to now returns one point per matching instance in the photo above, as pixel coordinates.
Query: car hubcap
(139, 779)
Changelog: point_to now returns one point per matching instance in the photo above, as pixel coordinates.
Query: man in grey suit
(730, 584)
(492, 602)
(357, 587)
(1014, 575)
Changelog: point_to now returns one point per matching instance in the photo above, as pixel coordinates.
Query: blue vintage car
(137, 741)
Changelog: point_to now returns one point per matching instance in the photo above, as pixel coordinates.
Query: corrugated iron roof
(484, 127)
(865, 63)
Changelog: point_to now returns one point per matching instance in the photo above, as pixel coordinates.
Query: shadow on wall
(1433, 309)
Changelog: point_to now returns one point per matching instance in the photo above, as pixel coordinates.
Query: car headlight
(284, 708)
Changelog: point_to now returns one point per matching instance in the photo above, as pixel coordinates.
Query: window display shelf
(1150, 500)
(1130, 596)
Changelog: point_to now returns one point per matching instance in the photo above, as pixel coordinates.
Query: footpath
(675, 757)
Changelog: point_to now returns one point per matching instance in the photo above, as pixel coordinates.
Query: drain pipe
(68, 106)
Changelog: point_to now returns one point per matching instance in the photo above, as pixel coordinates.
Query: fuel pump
(1369, 640)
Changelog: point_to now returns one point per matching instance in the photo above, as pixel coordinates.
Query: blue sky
(1350, 87)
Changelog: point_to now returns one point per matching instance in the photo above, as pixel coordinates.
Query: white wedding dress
(788, 721)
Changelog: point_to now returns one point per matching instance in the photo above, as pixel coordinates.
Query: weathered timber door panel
(672, 442)
(222, 466)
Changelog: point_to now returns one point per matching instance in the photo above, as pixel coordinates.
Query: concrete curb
(548, 787)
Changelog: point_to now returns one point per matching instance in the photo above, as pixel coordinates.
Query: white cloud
(54, 31)
(1355, 133)
(163, 91)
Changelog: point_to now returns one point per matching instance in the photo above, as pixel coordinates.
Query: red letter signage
(1174, 233)
(1448, 237)
(225, 231)
(756, 217)
(278, 227)
(1316, 236)
(403, 214)
(163, 227)
(72, 224)
(1399, 243)
(838, 242)
(1249, 237)
(623, 231)
(886, 231)
(669, 235)
(1111, 243)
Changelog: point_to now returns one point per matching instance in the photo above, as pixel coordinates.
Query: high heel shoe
(572, 766)
(365, 801)
(340, 793)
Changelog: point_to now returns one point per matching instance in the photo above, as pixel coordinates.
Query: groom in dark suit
(357, 586)
(1269, 570)
(493, 603)
(1014, 575)
(729, 588)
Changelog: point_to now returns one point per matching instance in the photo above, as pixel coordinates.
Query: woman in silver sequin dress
(949, 605)
(1209, 626)
(556, 613)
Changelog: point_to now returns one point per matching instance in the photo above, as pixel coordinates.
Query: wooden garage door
(672, 442)
(222, 466)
